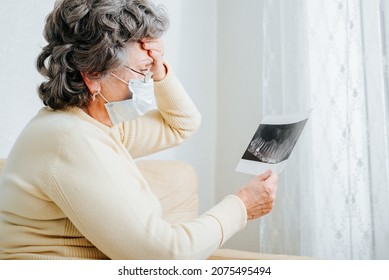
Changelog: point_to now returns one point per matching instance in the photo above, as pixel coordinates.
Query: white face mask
(130, 109)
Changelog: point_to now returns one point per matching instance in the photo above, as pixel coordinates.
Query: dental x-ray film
(272, 143)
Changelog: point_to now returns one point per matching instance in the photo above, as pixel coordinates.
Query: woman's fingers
(265, 175)
(155, 49)
(259, 195)
(156, 46)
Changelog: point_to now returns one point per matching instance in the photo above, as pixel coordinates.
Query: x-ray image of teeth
(273, 143)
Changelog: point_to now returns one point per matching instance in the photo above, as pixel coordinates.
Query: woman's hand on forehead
(155, 49)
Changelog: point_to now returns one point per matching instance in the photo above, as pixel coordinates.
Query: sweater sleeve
(175, 120)
(104, 195)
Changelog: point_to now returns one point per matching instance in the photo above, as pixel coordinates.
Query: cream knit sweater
(70, 188)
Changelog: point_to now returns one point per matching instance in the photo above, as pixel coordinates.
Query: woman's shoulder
(71, 120)
(51, 124)
(41, 141)
(49, 129)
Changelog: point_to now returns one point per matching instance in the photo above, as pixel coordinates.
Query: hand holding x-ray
(259, 194)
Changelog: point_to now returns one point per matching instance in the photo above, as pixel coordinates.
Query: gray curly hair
(91, 36)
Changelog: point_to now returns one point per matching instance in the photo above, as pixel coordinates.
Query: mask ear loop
(97, 92)
(120, 79)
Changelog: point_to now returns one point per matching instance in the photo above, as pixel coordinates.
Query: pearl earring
(96, 92)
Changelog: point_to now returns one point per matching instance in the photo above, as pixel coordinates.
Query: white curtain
(333, 197)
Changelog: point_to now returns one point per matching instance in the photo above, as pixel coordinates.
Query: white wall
(239, 49)
(21, 24)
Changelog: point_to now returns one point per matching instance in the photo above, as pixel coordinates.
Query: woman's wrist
(160, 75)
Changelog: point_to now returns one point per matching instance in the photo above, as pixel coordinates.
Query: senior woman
(70, 187)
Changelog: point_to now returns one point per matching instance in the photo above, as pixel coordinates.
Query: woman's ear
(92, 81)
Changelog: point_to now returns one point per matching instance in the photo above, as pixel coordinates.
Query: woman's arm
(175, 120)
(99, 188)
